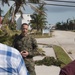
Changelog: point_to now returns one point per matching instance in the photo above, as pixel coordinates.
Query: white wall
(26, 19)
(18, 21)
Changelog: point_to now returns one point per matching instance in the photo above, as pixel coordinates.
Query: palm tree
(16, 7)
(58, 25)
(19, 3)
(73, 24)
(6, 17)
(67, 23)
(39, 19)
(35, 21)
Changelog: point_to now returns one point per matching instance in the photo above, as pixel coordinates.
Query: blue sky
(54, 13)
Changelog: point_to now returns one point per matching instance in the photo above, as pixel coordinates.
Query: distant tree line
(68, 25)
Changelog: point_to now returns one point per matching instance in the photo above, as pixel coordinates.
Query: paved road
(65, 39)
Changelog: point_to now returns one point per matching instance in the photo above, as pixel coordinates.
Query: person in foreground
(27, 46)
(11, 61)
(69, 69)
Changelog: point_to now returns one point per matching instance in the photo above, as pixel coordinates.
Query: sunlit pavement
(49, 70)
(66, 40)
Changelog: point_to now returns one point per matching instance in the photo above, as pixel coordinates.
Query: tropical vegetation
(39, 19)
(68, 25)
(8, 28)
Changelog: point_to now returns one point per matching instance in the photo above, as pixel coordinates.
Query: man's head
(24, 29)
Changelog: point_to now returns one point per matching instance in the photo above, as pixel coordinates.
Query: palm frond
(36, 9)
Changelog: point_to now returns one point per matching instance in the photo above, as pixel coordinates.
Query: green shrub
(0, 32)
(7, 35)
(48, 61)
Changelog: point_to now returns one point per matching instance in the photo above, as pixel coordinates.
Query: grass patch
(61, 55)
(39, 34)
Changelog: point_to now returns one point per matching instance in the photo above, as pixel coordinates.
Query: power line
(61, 1)
(60, 5)
(56, 4)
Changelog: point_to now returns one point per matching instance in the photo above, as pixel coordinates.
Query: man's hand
(24, 53)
